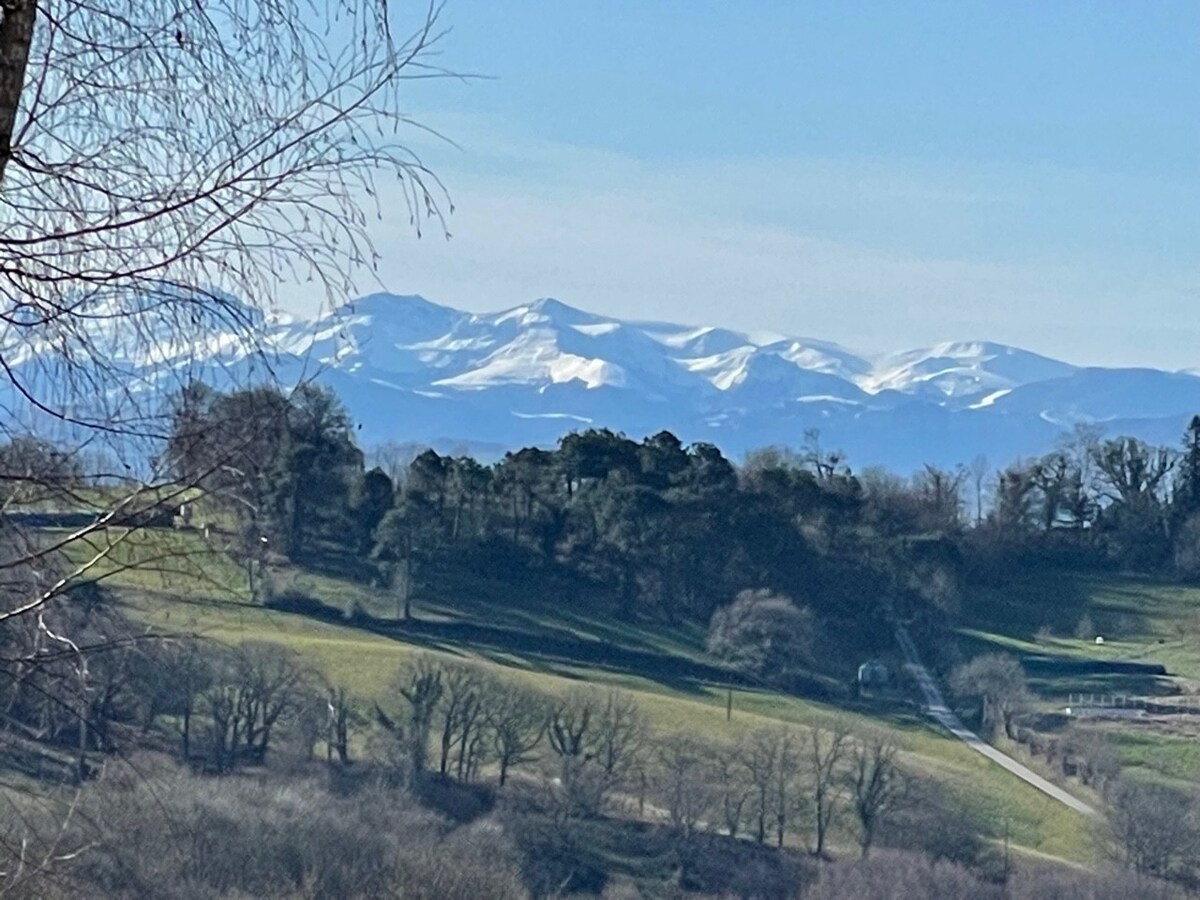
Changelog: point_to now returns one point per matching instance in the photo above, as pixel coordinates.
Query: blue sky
(885, 175)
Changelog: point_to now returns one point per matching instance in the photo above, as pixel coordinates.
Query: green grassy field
(553, 638)
(1141, 620)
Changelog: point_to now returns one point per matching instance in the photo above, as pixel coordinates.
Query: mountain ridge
(413, 370)
(530, 372)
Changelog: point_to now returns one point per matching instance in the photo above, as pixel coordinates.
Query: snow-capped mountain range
(413, 371)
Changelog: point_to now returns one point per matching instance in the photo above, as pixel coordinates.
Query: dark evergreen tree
(1186, 500)
(374, 496)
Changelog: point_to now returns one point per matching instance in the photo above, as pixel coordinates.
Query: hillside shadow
(1052, 686)
(558, 651)
(552, 651)
(1063, 615)
(538, 621)
(1032, 602)
(1032, 605)
(543, 603)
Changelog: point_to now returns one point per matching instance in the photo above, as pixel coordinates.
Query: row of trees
(221, 708)
(659, 528)
(82, 678)
(1119, 500)
(673, 530)
(172, 834)
(594, 749)
(582, 755)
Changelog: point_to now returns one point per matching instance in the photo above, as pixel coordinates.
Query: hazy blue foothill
(415, 371)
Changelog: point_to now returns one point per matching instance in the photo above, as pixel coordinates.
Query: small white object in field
(1099, 640)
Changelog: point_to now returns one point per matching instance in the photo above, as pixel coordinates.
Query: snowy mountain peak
(546, 311)
(403, 314)
(528, 373)
(410, 369)
(961, 369)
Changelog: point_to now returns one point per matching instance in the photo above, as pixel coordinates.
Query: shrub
(762, 634)
(892, 876)
(177, 835)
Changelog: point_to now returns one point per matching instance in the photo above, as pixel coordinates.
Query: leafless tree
(273, 683)
(597, 738)
(997, 681)
(339, 716)
(978, 470)
(732, 779)
(306, 724)
(1152, 829)
(826, 751)
(1099, 764)
(758, 756)
(571, 734)
(159, 159)
(461, 716)
(786, 797)
(684, 781)
(175, 674)
(254, 687)
(1013, 508)
(517, 721)
(824, 464)
(939, 494)
(1133, 473)
(165, 169)
(620, 736)
(420, 685)
(878, 785)
(55, 687)
(771, 759)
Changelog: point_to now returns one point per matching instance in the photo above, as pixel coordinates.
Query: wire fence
(1120, 705)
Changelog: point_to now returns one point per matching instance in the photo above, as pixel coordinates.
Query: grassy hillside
(549, 635)
(1141, 619)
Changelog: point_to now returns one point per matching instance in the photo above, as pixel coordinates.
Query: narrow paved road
(937, 709)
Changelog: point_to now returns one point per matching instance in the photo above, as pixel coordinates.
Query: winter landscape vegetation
(396, 599)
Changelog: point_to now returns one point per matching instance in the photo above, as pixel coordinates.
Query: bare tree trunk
(342, 732)
(761, 834)
(406, 576)
(446, 746)
(186, 731)
(826, 751)
(16, 35)
(83, 730)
